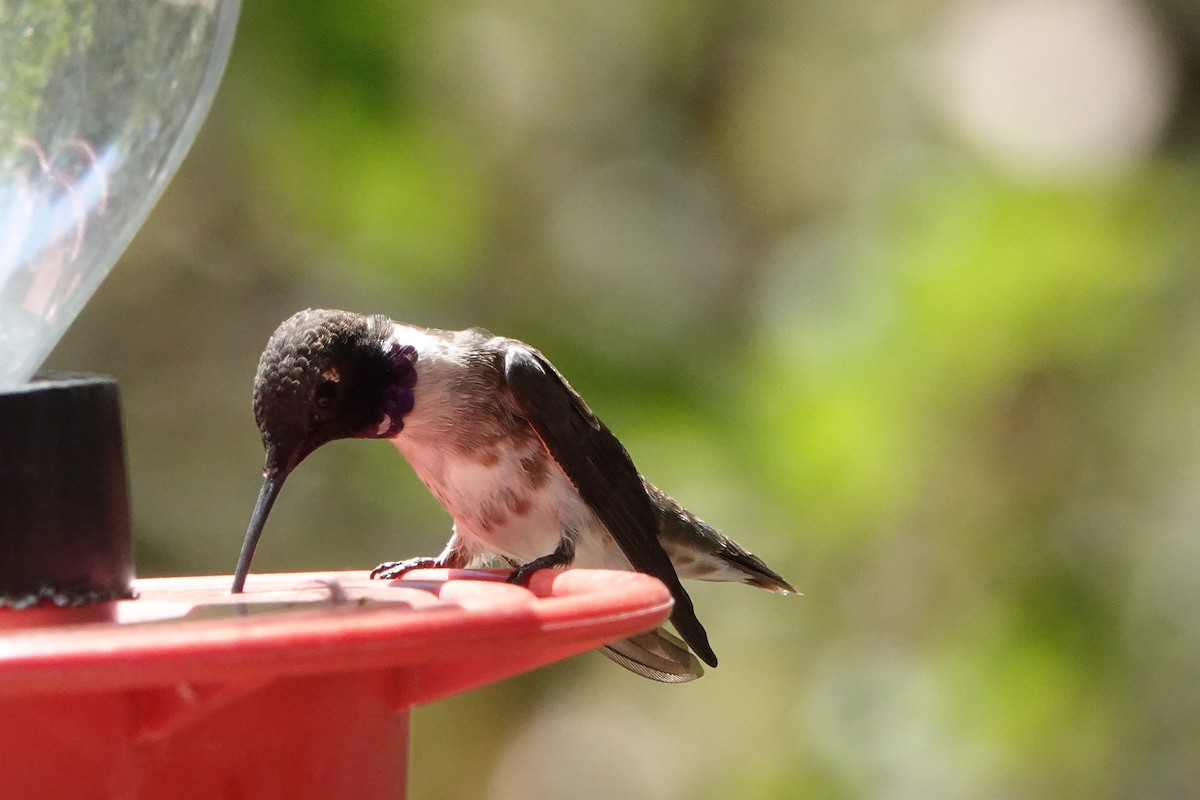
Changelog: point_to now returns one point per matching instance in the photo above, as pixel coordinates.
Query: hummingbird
(528, 473)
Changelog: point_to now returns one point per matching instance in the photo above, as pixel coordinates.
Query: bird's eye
(326, 394)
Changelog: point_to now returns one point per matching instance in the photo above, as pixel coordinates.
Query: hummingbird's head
(329, 375)
(325, 375)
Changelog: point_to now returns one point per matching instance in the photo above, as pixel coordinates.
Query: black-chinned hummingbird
(510, 450)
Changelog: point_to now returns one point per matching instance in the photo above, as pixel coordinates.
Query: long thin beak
(272, 482)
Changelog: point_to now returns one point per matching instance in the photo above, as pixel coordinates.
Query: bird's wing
(597, 465)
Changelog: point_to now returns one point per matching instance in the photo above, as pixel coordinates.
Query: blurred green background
(902, 296)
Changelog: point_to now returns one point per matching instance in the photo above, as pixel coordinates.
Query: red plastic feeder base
(299, 688)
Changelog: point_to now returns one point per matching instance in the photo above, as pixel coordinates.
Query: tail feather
(701, 552)
(755, 572)
(656, 655)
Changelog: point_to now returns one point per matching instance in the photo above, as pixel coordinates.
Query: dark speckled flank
(509, 502)
(490, 517)
(518, 504)
(515, 500)
(536, 467)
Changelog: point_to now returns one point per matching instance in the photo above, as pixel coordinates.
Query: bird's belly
(532, 529)
(500, 508)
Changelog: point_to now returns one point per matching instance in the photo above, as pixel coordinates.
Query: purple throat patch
(400, 397)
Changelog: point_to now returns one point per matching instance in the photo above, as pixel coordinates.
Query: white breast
(481, 500)
(483, 497)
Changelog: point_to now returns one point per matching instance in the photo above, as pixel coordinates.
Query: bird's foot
(390, 570)
(562, 556)
(520, 576)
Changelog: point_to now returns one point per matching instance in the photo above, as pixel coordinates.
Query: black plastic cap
(64, 503)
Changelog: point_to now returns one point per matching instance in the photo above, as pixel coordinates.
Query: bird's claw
(562, 556)
(521, 575)
(390, 570)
